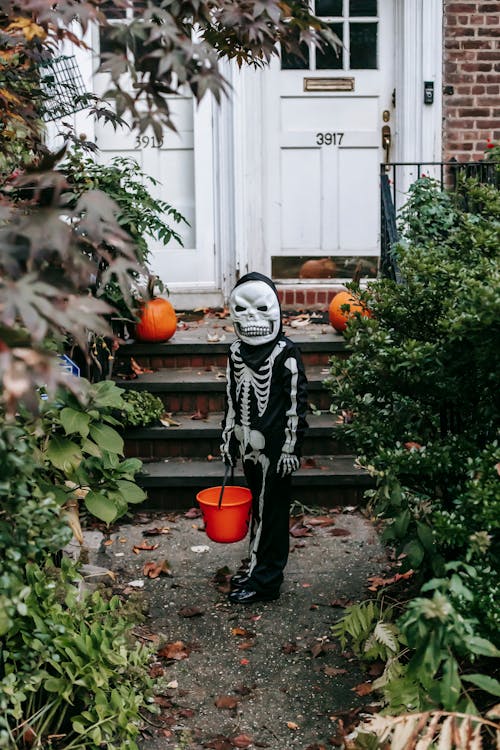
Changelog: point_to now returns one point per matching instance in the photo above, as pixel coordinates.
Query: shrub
(141, 408)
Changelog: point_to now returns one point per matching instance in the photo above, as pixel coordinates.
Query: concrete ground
(268, 675)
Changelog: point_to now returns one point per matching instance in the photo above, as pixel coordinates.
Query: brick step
(201, 437)
(329, 481)
(190, 389)
(187, 351)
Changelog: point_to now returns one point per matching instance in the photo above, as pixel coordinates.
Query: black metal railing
(396, 178)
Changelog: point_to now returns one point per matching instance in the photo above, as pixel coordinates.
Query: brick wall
(471, 77)
(307, 298)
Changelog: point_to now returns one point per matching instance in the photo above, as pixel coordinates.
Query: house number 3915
(147, 141)
(329, 139)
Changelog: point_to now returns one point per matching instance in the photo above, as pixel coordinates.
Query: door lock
(386, 141)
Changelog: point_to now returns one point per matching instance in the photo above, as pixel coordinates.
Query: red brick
(492, 20)
(299, 297)
(486, 124)
(494, 89)
(290, 297)
(461, 8)
(311, 297)
(474, 112)
(478, 89)
(321, 297)
(281, 296)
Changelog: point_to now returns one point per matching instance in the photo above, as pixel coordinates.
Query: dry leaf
(317, 649)
(244, 662)
(242, 740)
(155, 569)
(292, 725)
(377, 581)
(190, 612)
(176, 650)
(144, 546)
(226, 701)
(299, 530)
(340, 532)
(192, 513)
(246, 644)
(156, 531)
(362, 689)
(319, 520)
(199, 415)
(242, 633)
(289, 648)
(333, 671)
(167, 421)
(341, 602)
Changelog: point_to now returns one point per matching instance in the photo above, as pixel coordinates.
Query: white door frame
(418, 32)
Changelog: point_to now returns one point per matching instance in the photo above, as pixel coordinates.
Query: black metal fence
(396, 178)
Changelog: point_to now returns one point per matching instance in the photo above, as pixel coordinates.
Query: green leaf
(450, 685)
(55, 684)
(100, 506)
(106, 393)
(74, 421)
(481, 646)
(483, 681)
(107, 438)
(130, 491)
(63, 454)
(88, 446)
(414, 552)
(425, 536)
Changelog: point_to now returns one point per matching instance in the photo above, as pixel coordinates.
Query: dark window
(110, 10)
(363, 45)
(290, 61)
(328, 7)
(363, 8)
(108, 43)
(331, 58)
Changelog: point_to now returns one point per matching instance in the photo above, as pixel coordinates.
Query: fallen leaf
(333, 671)
(137, 369)
(377, 582)
(246, 644)
(292, 725)
(173, 685)
(412, 446)
(289, 648)
(298, 530)
(190, 612)
(340, 532)
(306, 585)
(219, 743)
(244, 662)
(137, 584)
(176, 650)
(192, 513)
(376, 669)
(319, 520)
(309, 463)
(156, 531)
(163, 701)
(108, 542)
(199, 415)
(155, 569)
(156, 670)
(242, 633)
(317, 649)
(186, 713)
(244, 689)
(167, 421)
(242, 740)
(226, 701)
(364, 688)
(144, 546)
(341, 602)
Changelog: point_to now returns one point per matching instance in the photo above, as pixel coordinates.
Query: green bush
(68, 664)
(421, 384)
(141, 408)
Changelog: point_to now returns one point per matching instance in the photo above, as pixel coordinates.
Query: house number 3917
(329, 139)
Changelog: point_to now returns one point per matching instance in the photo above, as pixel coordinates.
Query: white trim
(419, 54)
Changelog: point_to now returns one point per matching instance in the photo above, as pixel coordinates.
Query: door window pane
(363, 45)
(328, 7)
(290, 61)
(331, 58)
(363, 8)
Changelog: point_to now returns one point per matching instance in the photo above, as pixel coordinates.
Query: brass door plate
(329, 84)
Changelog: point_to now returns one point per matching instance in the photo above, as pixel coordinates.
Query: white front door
(181, 163)
(323, 121)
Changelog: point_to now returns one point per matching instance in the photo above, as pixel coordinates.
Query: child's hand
(287, 464)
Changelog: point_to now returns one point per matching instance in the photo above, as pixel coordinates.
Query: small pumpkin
(338, 316)
(157, 321)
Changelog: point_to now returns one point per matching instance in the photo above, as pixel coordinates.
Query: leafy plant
(141, 408)
(79, 451)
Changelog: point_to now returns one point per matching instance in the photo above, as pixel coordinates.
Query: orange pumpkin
(158, 321)
(339, 317)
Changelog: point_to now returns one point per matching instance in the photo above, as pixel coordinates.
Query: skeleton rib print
(248, 381)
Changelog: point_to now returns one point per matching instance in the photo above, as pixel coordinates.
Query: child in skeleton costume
(264, 425)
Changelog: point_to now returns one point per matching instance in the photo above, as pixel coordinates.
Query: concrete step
(193, 347)
(201, 437)
(191, 389)
(322, 480)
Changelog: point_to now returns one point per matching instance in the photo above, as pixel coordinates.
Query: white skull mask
(255, 311)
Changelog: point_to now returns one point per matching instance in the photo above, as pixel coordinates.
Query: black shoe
(249, 596)
(239, 580)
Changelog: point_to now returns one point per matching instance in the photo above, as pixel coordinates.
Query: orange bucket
(227, 519)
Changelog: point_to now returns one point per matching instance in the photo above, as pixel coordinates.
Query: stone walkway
(265, 676)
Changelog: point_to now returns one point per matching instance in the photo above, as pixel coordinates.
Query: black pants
(269, 534)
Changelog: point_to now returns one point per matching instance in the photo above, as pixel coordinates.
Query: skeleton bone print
(264, 425)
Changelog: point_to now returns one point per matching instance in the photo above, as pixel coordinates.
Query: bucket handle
(224, 482)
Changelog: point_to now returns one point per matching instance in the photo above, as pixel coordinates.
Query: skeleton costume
(264, 425)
